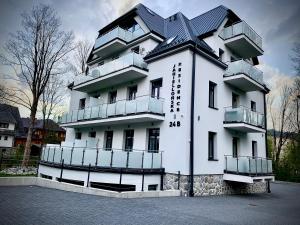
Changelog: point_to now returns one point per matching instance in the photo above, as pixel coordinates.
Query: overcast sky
(277, 22)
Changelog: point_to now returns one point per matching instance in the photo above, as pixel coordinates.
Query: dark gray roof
(10, 114)
(209, 21)
(50, 124)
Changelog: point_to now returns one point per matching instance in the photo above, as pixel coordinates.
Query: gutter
(191, 186)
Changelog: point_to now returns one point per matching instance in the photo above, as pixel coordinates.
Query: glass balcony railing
(243, 67)
(118, 32)
(243, 114)
(241, 28)
(248, 165)
(130, 59)
(85, 156)
(141, 104)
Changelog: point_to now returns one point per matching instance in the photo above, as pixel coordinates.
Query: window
(254, 149)
(132, 93)
(78, 135)
(212, 95)
(235, 147)
(5, 138)
(155, 88)
(253, 106)
(169, 41)
(129, 136)
(221, 53)
(92, 134)
(108, 140)
(152, 187)
(235, 100)
(112, 97)
(0, 137)
(153, 140)
(136, 49)
(211, 145)
(82, 103)
(3, 125)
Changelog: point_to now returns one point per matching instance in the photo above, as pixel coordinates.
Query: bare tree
(36, 54)
(296, 58)
(81, 54)
(51, 99)
(280, 115)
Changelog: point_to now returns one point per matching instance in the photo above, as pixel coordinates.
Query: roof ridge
(185, 26)
(220, 6)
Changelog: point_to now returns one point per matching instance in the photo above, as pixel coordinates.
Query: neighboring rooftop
(10, 114)
(50, 124)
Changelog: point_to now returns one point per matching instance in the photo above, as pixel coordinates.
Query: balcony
(142, 109)
(244, 76)
(247, 169)
(242, 39)
(244, 120)
(113, 159)
(124, 69)
(114, 41)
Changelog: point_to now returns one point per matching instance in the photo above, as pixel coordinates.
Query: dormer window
(3, 125)
(169, 41)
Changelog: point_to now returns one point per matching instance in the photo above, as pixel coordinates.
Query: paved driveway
(36, 205)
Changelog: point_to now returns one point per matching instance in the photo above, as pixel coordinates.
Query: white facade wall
(10, 139)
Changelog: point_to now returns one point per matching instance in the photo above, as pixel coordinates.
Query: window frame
(212, 144)
(212, 89)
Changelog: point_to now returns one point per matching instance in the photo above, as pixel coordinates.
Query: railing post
(48, 154)
(256, 165)
(111, 158)
(120, 180)
(61, 154)
(61, 170)
(83, 153)
(249, 165)
(71, 155)
(143, 178)
(178, 177)
(88, 178)
(237, 164)
(161, 156)
(97, 157)
(226, 163)
(142, 166)
(127, 160)
(152, 160)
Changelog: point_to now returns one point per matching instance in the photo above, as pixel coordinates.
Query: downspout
(266, 134)
(191, 186)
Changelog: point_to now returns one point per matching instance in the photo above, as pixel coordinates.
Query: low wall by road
(42, 182)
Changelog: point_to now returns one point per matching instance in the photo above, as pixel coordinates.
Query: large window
(108, 140)
(129, 136)
(211, 145)
(153, 140)
(82, 103)
(112, 97)
(78, 135)
(132, 93)
(212, 95)
(155, 88)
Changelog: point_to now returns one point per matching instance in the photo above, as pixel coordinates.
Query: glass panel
(111, 109)
(95, 112)
(131, 106)
(264, 166)
(243, 165)
(147, 160)
(104, 158)
(50, 154)
(57, 155)
(270, 170)
(43, 154)
(87, 113)
(67, 155)
(156, 105)
(259, 165)
(77, 156)
(156, 160)
(135, 159)
(142, 104)
(120, 107)
(252, 166)
(119, 159)
(80, 114)
(90, 157)
(231, 164)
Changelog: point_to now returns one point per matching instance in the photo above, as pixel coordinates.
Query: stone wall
(205, 185)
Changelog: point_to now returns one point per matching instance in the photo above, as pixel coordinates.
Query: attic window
(170, 40)
(150, 11)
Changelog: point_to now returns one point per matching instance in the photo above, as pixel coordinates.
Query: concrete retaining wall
(26, 181)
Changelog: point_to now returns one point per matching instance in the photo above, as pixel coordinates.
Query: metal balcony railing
(241, 28)
(130, 59)
(115, 158)
(248, 165)
(243, 114)
(142, 104)
(117, 32)
(243, 67)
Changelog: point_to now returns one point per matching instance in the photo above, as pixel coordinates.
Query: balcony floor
(243, 46)
(118, 77)
(122, 119)
(243, 82)
(244, 127)
(250, 179)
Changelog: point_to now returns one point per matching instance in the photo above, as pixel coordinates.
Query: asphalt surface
(35, 205)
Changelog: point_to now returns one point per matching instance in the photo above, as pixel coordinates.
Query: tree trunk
(27, 149)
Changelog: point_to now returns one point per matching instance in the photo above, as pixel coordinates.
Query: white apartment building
(167, 103)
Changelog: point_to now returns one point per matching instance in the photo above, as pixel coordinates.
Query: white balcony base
(243, 82)
(112, 79)
(247, 179)
(243, 46)
(112, 46)
(243, 127)
(144, 117)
